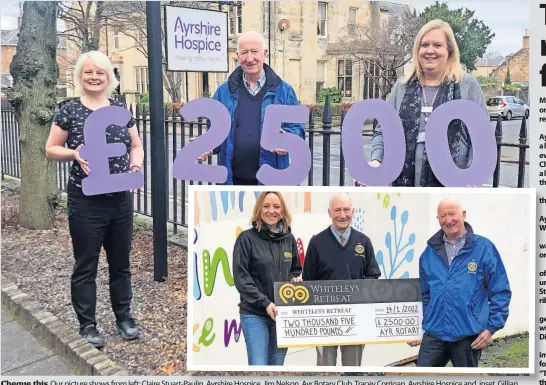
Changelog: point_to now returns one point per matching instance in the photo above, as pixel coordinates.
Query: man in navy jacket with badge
(465, 290)
(340, 252)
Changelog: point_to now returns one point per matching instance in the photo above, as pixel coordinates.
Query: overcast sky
(508, 19)
(9, 10)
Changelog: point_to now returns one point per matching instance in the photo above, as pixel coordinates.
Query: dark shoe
(128, 330)
(92, 335)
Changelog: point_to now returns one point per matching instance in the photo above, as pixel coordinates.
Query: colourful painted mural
(399, 225)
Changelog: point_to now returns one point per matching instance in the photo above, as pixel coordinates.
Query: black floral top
(71, 117)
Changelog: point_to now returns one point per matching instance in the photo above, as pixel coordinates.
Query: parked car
(507, 106)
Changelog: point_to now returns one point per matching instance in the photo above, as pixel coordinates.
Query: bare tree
(84, 20)
(34, 68)
(493, 55)
(379, 48)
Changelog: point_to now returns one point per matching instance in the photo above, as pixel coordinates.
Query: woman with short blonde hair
(264, 254)
(100, 60)
(436, 77)
(98, 220)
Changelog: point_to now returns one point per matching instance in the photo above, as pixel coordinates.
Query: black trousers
(94, 222)
(437, 353)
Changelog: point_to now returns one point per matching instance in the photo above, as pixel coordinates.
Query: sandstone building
(300, 36)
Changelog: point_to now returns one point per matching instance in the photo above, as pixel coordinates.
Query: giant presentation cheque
(321, 313)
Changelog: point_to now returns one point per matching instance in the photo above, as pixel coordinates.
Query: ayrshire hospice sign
(196, 40)
(322, 313)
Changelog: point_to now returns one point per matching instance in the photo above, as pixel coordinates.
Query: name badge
(426, 110)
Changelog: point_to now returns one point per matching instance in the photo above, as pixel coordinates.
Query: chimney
(526, 39)
(20, 17)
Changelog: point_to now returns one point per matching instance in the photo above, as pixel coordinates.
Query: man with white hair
(465, 290)
(246, 94)
(340, 252)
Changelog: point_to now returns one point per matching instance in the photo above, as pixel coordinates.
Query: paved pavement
(24, 355)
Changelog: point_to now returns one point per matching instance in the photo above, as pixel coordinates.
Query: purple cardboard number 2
(272, 138)
(185, 165)
(97, 151)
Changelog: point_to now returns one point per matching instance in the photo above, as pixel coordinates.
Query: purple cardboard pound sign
(272, 138)
(97, 151)
(483, 138)
(393, 138)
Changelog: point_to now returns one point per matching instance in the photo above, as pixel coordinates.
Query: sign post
(157, 140)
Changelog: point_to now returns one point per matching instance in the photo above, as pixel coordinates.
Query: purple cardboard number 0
(185, 166)
(393, 139)
(439, 155)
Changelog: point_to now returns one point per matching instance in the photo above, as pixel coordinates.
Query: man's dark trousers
(244, 182)
(437, 353)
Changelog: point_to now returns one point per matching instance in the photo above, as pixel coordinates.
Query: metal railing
(323, 136)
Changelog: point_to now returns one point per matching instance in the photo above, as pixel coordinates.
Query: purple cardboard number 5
(272, 139)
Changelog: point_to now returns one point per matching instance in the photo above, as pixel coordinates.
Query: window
(235, 20)
(141, 79)
(61, 91)
(322, 18)
(265, 17)
(371, 77)
(384, 18)
(494, 101)
(321, 78)
(219, 78)
(116, 40)
(239, 18)
(345, 77)
(352, 16)
(231, 27)
(143, 40)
